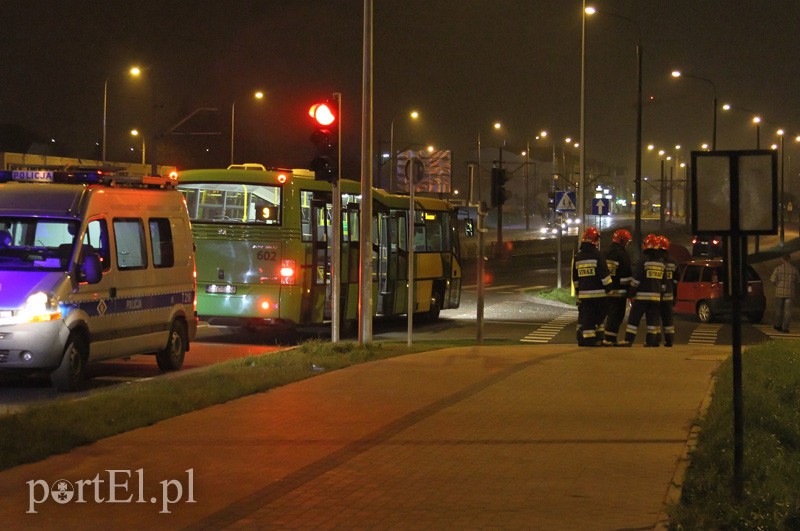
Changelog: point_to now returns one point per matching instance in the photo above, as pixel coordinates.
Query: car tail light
(288, 272)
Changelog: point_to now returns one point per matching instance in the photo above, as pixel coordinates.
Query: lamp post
(756, 120)
(677, 74)
(414, 115)
(637, 182)
(581, 178)
(780, 133)
(134, 72)
(257, 95)
(135, 132)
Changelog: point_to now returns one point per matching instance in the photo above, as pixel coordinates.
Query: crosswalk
(546, 332)
(776, 334)
(705, 334)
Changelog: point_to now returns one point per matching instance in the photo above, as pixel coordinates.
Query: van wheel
(704, 313)
(68, 377)
(171, 358)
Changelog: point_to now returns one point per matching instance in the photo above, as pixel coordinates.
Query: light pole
(134, 72)
(780, 133)
(678, 73)
(257, 95)
(581, 178)
(135, 132)
(637, 180)
(414, 115)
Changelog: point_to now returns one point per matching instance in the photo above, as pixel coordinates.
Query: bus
(264, 240)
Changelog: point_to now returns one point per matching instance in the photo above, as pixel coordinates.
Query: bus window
(234, 203)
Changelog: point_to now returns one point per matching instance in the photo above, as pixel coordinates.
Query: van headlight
(39, 307)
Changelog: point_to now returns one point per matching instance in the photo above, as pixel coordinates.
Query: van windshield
(36, 244)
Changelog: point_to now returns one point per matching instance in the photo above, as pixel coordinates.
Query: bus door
(322, 239)
(453, 298)
(392, 265)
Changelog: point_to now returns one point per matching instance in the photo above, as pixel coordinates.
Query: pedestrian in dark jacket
(592, 280)
(619, 266)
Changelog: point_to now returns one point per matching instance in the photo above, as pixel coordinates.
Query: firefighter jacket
(648, 276)
(619, 267)
(590, 273)
(669, 288)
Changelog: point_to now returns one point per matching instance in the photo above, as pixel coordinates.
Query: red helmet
(591, 235)
(621, 236)
(663, 243)
(650, 242)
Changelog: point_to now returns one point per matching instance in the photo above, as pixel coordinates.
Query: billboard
(436, 175)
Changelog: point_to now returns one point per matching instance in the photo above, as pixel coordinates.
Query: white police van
(92, 267)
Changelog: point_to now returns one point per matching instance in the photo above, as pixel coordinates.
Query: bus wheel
(68, 377)
(436, 307)
(171, 358)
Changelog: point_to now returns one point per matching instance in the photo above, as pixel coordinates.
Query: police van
(93, 267)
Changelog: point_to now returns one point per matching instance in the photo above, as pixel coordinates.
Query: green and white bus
(264, 245)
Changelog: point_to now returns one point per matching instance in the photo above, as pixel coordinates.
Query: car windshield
(36, 244)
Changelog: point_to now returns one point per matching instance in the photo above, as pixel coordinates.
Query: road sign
(601, 206)
(565, 201)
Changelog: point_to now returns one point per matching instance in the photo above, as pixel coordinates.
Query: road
(511, 313)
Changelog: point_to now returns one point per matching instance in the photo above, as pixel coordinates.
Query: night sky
(462, 64)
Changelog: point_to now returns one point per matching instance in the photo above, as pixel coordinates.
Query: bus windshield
(233, 202)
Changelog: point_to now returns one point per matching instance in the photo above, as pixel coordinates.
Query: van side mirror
(91, 270)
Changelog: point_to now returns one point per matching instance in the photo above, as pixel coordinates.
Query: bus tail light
(288, 272)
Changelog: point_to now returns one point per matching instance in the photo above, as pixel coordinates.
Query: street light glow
(259, 95)
(135, 71)
(497, 125)
(676, 73)
(756, 119)
(414, 115)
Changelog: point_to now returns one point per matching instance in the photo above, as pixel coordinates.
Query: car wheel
(171, 357)
(704, 312)
(68, 377)
(755, 317)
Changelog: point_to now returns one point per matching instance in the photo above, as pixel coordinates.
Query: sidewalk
(529, 437)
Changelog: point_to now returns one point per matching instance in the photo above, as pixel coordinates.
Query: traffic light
(326, 137)
(499, 194)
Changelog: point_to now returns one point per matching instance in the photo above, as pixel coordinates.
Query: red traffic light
(322, 113)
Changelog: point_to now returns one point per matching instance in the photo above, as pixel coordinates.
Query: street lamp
(581, 179)
(135, 71)
(756, 120)
(637, 217)
(257, 95)
(135, 132)
(678, 73)
(414, 115)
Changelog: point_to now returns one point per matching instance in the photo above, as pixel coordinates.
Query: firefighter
(619, 266)
(592, 281)
(648, 274)
(669, 290)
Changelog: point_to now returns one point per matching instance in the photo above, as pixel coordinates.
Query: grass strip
(554, 294)
(59, 426)
(771, 463)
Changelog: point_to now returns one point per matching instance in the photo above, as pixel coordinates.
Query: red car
(701, 291)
